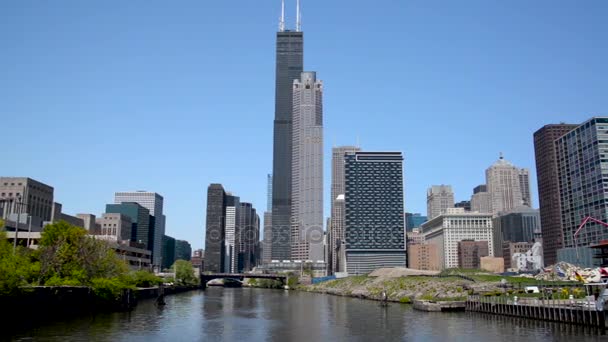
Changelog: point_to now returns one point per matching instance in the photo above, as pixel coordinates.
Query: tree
(17, 267)
(70, 257)
(184, 273)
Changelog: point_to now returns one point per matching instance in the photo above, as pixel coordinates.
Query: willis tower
(289, 66)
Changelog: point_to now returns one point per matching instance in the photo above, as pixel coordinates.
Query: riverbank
(47, 303)
(406, 289)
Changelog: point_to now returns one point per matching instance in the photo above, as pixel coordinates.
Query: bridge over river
(205, 278)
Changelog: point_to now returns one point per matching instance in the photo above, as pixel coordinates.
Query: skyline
(550, 75)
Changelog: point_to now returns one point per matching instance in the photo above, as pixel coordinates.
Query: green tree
(17, 267)
(70, 257)
(184, 273)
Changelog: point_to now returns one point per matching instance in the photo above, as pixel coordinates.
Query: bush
(109, 288)
(144, 279)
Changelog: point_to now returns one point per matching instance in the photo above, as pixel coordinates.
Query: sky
(170, 96)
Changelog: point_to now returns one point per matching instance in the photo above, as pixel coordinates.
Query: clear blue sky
(169, 96)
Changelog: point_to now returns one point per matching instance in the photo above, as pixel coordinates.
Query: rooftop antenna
(298, 17)
(282, 21)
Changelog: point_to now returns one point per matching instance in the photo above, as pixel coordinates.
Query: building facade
(183, 250)
(307, 169)
(154, 203)
(336, 233)
(454, 226)
(518, 225)
(504, 186)
(524, 184)
(466, 205)
(30, 196)
(374, 222)
(481, 201)
(548, 188)
(289, 66)
(414, 221)
(115, 226)
(423, 257)
(438, 199)
(248, 237)
(140, 221)
(582, 170)
(215, 233)
(470, 253)
(231, 225)
(168, 252)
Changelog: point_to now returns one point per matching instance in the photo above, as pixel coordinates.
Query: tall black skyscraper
(289, 66)
(373, 227)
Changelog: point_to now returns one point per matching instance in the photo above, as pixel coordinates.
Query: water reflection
(242, 314)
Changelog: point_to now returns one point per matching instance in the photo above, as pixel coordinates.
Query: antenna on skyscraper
(298, 17)
(282, 21)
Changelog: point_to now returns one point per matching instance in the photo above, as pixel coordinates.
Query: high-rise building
(413, 221)
(267, 244)
(36, 197)
(140, 221)
(582, 170)
(524, 184)
(548, 188)
(438, 199)
(267, 241)
(307, 169)
(374, 223)
(336, 233)
(168, 251)
(231, 243)
(480, 201)
(289, 66)
(248, 237)
(518, 225)
(504, 186)
(456, 225)
(215, 234)
(154, 203)
(183, 250)
(470, 253)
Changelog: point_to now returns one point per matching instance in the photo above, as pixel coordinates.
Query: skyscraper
(289, 66)
(267, 243)
(215, 233)
(548, 188)
(248, 237)
(374, 224)
(140, 221)
(307, 169)
(582, 170)
(232, 207)
(504, 186)
(480, 201)
(524, 184)
(438, 199)
(336, 233)
(154, 203)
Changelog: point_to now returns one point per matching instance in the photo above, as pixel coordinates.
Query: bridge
(205, 278)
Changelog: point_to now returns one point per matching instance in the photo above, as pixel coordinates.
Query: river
(244, 314)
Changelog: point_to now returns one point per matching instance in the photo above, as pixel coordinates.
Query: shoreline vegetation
(68, 262)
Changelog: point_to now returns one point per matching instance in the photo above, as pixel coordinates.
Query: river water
(244, 314)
